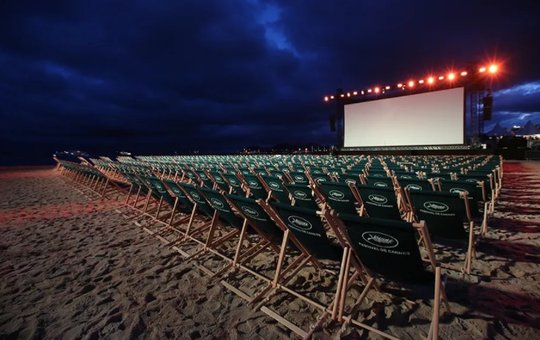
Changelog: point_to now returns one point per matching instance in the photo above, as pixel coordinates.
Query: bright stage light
(399, 85)
(493, 68)
(451, 76)
(482, 69)
(441, 77)
(464, 73)
(377, 90)
(421, 81)
(431, 80)
(348, 94)
(362, 92)
(369, 90)
(355, 93)
(342, 95)
(326, 98)
(411, 83)
(331, 97)
(387, 87)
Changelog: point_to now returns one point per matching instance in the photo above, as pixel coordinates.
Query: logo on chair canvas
(379, 239)
(413, 187)
(300, 223)
(274, 186)
(217, 203)
(458, 190)
(406, 177)
(300, 194)
(320, 179)
(350, 181)
(254, 185)
(219, 180)
(250, 212)
(336, 195)
(378, 199)
(436, 207)
(299, 178)
(380, 184)
(196, 196)
(472, 180)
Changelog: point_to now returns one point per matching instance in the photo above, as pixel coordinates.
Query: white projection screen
(432, 118)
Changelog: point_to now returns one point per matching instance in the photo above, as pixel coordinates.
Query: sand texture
(74, 265)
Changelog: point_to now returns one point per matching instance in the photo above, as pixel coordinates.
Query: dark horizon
(219, 76)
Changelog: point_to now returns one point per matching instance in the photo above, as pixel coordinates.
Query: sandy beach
(74, 265)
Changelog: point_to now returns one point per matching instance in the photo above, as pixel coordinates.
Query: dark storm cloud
(516, 105)
(160, 77)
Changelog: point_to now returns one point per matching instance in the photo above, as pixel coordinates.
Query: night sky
(158, 77)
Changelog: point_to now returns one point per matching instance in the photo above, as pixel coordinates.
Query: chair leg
(468, 258)
(434, 328)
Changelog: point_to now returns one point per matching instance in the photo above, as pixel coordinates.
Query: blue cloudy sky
(174, 76)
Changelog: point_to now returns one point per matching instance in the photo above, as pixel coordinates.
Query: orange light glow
(411, 83)
(482, 69)
(377, 90)
(464, 73)
(431, 80)
(493, 68)
(451, 76)
(421, 81)
(441, 77)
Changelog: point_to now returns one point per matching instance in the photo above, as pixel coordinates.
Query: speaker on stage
(487, 103)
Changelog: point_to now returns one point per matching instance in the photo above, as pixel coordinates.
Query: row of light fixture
(451, 76)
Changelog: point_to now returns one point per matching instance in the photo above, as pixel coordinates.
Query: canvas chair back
(349, 178)
(235, 185)
(299, 178)
(221, 205)
(415, 184)
(444, 212)
(386, 247)
(158, 187)
(219, 181)
(194, 194)
(204, 180)
(276, 188)
(302, 196)
(474, 191)
(379, 202)
(255, 186)
(255, 214)
(136, 182)
(380, 182)
(185, 205)
(307, 227)
(339, 197)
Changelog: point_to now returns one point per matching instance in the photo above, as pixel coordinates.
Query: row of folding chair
(196, 197)
(88, 176)
(301, 227)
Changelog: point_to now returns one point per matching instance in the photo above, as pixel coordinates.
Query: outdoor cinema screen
(432, 118)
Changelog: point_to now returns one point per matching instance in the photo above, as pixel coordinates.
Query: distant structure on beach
(529, 130)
